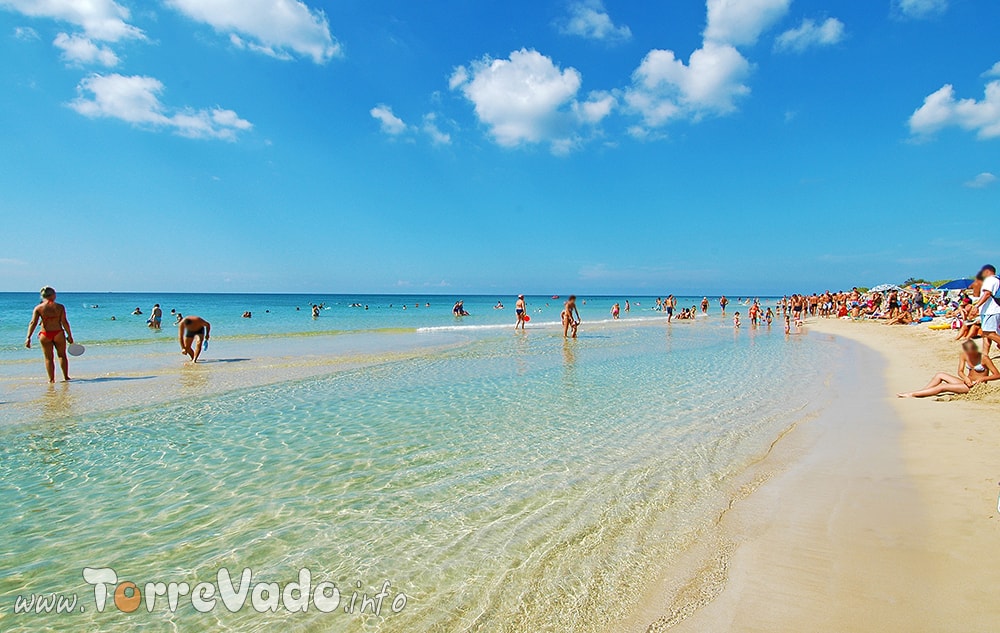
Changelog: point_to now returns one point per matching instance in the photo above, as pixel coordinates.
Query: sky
(592, 146)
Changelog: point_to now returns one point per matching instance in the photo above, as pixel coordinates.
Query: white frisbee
(75, 349)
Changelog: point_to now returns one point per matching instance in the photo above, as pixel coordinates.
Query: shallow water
(90, 314)
(514, 482)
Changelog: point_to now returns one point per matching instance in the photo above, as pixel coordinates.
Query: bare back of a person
(51, 315)
(193, 324)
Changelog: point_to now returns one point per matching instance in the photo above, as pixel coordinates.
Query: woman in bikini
(974, 367)
(55, 332)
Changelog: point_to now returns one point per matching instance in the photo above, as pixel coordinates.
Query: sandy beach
(882, 518)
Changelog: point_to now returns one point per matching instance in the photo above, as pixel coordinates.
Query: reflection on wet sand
(194, 378)
(58, 401)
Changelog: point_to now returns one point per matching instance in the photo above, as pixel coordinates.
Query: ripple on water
(520, 484)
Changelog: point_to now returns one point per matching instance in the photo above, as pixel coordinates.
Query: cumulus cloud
(994, 71)
(810, 34)
(527, 98)
(80, 49)
(740, 22)
(921, 8)
(981, 181)
(665, 88)
(940, 110)
(589, 19)
(103, 20)
(597, 106)
(135, 99)
(390, 123)
(272, 27)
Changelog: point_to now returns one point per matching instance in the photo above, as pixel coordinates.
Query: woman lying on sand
(973, 368)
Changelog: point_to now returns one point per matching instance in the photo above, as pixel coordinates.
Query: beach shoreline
(881, 520)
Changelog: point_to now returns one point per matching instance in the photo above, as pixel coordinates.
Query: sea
(455, 475)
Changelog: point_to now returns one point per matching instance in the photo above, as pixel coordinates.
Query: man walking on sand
(190, 328)
(55, 332)
(989, 307)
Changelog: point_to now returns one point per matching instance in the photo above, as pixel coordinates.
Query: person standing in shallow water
(521, 310)
(55, 332)
(570, 316)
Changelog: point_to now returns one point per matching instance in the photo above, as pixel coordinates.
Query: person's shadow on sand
(223, 360)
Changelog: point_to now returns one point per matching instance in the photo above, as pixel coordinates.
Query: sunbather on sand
(974, 368)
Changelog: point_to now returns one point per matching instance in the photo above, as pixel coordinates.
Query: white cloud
(396, 127)
(993, 72)
(740, 22)
(597, 106)
(103, 20)
(25, 33)
(589, 19)
(272, 27)
(391, 124)
(941, 110)
(270, 51)
(79, 49)
(981, 181)
(523, 99)
(921, 8)
(135, 100)
(431, 129)
(665, 88)
(809, 34)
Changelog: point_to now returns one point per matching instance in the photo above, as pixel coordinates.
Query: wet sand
(882, 517)
(109, 378)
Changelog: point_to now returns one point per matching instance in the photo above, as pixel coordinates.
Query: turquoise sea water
(505, 482)
(90, 314)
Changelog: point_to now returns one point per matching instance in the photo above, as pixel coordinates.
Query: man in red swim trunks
(190, 328)
(55, 332)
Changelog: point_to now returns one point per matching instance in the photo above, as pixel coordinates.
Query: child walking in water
(736, 320)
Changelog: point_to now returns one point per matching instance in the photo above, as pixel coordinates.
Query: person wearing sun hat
(55, 332)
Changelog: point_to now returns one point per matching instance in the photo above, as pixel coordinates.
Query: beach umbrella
(885, 288)
(922, 286)
(956, 284)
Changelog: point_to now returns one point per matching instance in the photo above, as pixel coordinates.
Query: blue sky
(737, 146)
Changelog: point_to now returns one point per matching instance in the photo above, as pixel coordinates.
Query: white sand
(882, 520)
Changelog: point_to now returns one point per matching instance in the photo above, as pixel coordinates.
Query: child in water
(736, 320)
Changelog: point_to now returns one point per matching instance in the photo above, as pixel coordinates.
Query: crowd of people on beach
(973, 314)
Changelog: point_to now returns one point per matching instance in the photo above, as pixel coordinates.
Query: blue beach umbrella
(956, 284)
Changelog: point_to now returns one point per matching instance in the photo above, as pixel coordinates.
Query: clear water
(283, 314)
(508, 482)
